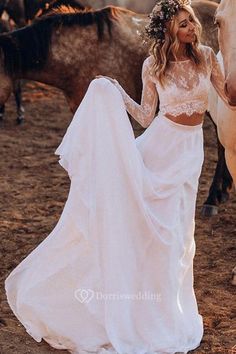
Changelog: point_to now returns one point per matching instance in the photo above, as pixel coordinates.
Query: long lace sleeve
(143, 113)
(218, 80)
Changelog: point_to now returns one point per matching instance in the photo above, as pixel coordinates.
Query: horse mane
(28, 48)
(64, 6)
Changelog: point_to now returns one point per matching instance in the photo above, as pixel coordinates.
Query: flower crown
(163, 12)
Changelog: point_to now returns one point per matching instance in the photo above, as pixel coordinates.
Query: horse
(222, 182)
(225, 118)
(5, 27)
(50, 50)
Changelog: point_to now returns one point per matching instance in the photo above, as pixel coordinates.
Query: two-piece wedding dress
(116, 273)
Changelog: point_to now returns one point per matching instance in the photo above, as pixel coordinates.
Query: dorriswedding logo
(84, 295)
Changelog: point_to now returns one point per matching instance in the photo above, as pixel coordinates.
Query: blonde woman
(116, 273)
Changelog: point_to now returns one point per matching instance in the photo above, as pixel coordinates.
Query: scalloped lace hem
(187, 109)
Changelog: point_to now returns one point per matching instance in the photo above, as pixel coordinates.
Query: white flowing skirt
(116, 273)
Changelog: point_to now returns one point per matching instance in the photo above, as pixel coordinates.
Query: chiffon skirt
(115, 275)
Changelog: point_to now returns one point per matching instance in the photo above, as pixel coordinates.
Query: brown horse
(55, 50)
(69, 50)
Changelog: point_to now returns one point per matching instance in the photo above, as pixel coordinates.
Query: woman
(116, 273)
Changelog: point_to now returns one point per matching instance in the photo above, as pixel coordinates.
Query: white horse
(225, 118)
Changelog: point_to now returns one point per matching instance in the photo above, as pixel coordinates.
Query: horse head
(205, 11)
(225, 19)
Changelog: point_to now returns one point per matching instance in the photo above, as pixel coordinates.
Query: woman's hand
(113, 81)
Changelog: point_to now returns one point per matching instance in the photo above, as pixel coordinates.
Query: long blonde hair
(163, 52)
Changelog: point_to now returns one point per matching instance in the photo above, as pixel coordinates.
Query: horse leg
(230, 156)
(210, 206)
(227, 182)
(18, 99)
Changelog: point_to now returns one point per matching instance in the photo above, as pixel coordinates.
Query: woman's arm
(218, 80)
(143, 113)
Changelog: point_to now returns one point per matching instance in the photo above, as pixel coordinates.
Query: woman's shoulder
(149, 61)
(148, 64)
(206, 50)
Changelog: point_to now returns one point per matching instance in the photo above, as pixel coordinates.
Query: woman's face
(186, 27)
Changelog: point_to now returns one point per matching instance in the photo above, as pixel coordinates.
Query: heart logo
(84, 295)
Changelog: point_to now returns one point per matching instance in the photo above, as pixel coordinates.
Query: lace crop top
(186, 89)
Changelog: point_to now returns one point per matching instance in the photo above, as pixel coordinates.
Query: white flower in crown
(157, 8)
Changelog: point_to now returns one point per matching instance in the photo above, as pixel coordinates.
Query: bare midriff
(194, 119)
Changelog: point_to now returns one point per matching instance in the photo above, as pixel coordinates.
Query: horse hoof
(209, 210)
(19, 120)
(224, 197)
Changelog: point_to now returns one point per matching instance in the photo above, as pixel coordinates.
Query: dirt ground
(34, 189)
